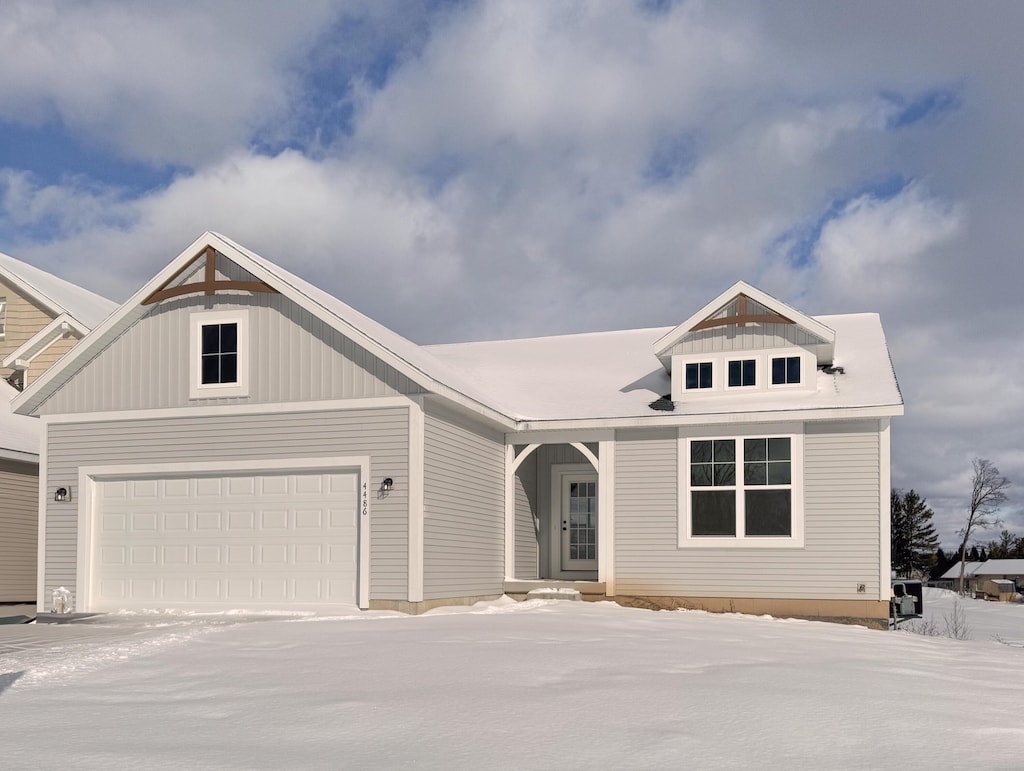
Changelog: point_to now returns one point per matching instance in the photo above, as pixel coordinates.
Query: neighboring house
(977, 573)
(235, 437)
(41, 318)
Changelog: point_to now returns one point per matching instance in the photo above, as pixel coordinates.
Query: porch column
(606, 515)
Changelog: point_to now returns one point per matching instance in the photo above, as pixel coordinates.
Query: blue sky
(472, 170)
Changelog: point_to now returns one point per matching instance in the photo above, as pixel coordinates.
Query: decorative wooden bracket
(742, 318)
(209, 285)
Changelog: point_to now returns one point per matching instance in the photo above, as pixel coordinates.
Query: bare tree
(988, 493)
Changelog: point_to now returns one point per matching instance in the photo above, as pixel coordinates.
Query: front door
(579, 522)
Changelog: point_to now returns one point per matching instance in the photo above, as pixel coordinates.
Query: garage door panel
(227, 541)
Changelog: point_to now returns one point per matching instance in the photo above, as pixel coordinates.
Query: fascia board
(18, 455)
(741, 287)
(42, 339)
(725, 418)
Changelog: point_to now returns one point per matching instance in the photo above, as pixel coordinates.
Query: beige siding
(19, 512)
(24, 320)
(527, 554)
(841, 530)
(463, 508)
(49, 356)
(293, 357)
(381, 434)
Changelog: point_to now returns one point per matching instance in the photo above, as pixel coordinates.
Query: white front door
(579, 522)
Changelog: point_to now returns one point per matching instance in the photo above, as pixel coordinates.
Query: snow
(996, 567)
(58, 295)
(18, 433)
(539, 684)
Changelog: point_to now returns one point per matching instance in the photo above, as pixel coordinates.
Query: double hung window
(742, 491)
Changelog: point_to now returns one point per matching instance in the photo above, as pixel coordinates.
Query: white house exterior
(41, 318)
(235, 437)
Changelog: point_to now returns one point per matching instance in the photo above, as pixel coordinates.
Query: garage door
(226, 541)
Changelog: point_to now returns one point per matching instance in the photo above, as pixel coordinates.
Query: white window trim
(762, 372)
(3, 317)
(199, 390)
(808, 371)
(795, 433)
(715, 375)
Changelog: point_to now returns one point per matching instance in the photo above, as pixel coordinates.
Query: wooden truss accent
(742, 318)
(208, 286)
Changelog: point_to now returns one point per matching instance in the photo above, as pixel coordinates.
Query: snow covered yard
(542, 684)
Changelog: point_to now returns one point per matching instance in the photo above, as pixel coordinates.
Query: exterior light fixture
(387, 484)
(62, 494)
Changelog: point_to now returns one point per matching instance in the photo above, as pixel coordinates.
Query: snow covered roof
(1004, 567)
(55, 294)
(616, 375)
(19, 434)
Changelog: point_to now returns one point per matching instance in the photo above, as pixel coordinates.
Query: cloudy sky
(476, 170)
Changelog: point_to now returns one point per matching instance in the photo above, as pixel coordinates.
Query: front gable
(745, 341)
(281, 353)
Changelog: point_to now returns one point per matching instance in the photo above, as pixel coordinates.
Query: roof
(616, 375)
(999, 567)
(19, 434)
(55, 294)
(585, 377)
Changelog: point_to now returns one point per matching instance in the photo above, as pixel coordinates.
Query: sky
(480, 170)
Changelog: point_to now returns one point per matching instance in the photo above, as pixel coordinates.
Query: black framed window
(219, 353)
(698, 375)
(785, 369)
(742, 372)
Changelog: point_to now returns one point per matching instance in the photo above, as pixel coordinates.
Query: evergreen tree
(973, 556)
(914, 540)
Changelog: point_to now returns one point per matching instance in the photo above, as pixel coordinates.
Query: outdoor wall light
(387, 484)
(62, 494)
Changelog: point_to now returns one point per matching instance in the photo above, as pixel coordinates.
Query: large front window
(742, 491)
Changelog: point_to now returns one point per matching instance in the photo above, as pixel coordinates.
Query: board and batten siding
(527, 551)
(751, 338)
(841, 524)
(382, 434)
(293, 357)
(19, 530)
(463, 508)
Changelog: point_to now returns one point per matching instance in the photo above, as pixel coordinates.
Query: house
(233, 436)
(41, 318)
(977, 573)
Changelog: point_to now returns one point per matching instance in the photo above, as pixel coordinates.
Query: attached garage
(224, 539)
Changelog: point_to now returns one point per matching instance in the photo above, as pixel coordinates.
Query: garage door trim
(89, 476)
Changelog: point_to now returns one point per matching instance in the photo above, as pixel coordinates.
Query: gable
(22, 319)
(292, 355)
(745, 318)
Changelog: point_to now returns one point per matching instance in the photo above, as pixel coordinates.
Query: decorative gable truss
(210, 283)
(745, 341)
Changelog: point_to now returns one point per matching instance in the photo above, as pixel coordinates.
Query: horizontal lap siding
(23, 320)
(19, 530)
(294, 356)
(463, 508)
(527, 554)
(380, 434)
(841, 529)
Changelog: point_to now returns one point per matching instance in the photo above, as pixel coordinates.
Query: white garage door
(226, 541)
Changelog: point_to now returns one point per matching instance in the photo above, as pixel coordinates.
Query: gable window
(742, 372)
(742, 491)
(220, 354)
(785, 369)
(698, 375)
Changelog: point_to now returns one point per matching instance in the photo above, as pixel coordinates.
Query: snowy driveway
(542, 684)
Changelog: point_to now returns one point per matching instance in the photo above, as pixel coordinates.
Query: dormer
(745, 341)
